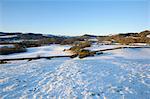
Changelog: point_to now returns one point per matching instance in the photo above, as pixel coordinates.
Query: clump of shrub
(75, 49)
(79, 50)
(3, 62)
(79, 46)
(31, 43)
(9, 50)
(71, 40)
(83, 44)
(85, 53)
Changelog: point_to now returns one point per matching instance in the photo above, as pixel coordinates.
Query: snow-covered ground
(118, 74)
(7, 46)
(8, 36)
(100, 47)
(52, 50)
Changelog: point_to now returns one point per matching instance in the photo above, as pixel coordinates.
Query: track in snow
(64, 82)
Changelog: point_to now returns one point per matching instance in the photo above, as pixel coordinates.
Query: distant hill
(127, 38)
(140, 34)
(26, 36)
(124, 38)
(144, 33)
(5, 33)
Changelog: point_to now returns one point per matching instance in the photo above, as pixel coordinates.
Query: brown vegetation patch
(9, 50)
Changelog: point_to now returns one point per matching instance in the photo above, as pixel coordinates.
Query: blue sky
(74, 17)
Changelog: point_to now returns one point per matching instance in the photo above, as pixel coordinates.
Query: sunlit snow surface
(118, 74)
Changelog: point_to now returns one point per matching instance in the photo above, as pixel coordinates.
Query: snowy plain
(118, 74)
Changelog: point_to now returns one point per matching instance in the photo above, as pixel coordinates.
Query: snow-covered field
(118, 74)
(100, 47)
(7, 46)
(52, 50)
(95, 47)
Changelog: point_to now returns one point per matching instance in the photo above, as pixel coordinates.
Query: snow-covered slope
(52, 50)
(7, 46)
(100, 47)
(113, 75)
(141, 53)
